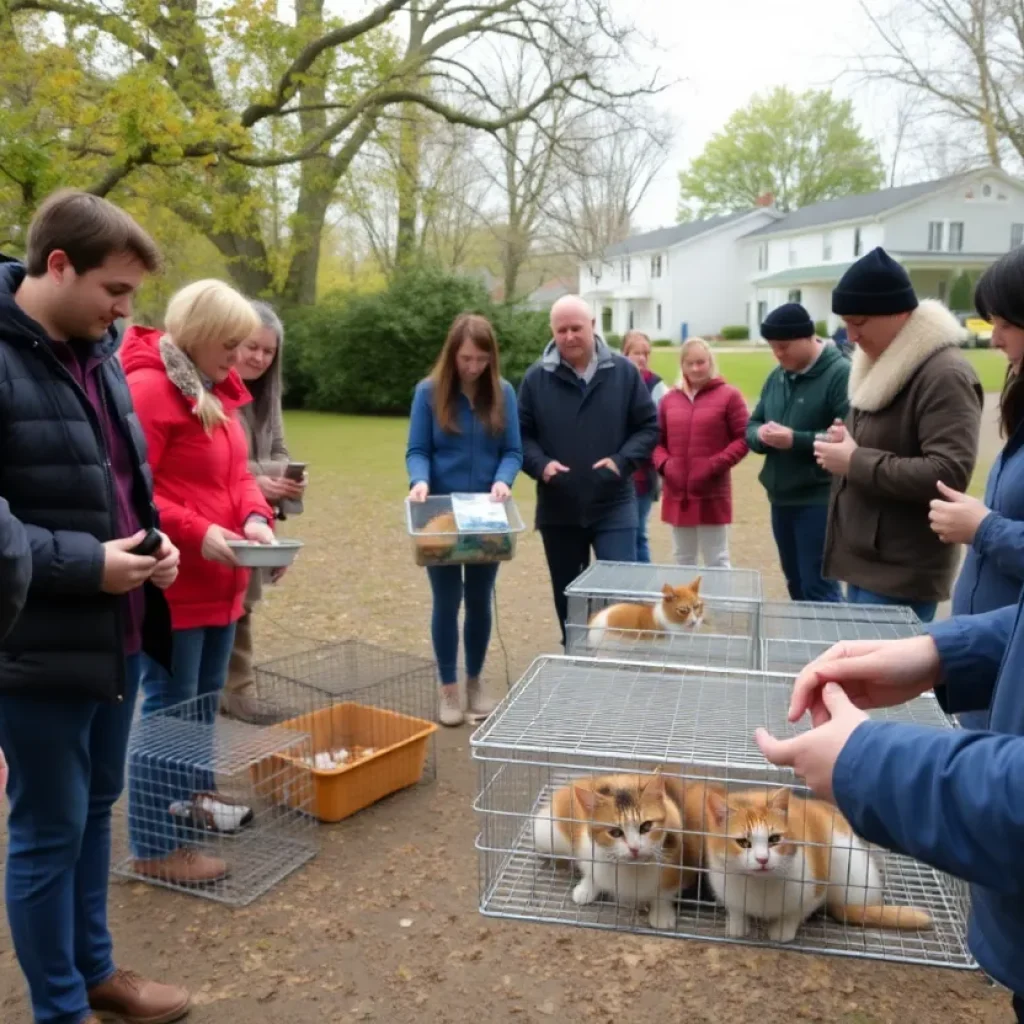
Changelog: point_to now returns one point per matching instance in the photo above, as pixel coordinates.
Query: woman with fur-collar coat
(915, 416)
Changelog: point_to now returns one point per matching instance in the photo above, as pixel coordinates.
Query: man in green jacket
(803, 396)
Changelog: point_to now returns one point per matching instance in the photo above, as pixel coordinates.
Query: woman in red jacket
(187, 395)
(702, 435)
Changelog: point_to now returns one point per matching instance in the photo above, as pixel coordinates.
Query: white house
(733, 270)
(676, 281)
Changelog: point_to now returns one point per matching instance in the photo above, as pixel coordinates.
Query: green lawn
(747, 370)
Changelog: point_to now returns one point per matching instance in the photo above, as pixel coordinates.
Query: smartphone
(295, 471)
(149, 545)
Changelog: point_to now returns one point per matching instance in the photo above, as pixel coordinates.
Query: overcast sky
(726, 50)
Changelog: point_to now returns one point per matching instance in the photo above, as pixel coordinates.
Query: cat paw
(783, 930)
(584, 893)
(737, 926)
(662, 917)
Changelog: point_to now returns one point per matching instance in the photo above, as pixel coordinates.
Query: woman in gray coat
(259, 365)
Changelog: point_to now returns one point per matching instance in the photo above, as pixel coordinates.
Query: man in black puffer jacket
(73, 470)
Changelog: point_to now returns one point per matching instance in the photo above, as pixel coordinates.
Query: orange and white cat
(778, 858)
(625, 835)
(680, 609)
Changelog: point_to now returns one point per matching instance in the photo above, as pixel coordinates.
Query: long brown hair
(488, 402)
(1000, 292)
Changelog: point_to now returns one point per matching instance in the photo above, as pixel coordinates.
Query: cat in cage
(681, 609)
(627, 837)
(780, 858)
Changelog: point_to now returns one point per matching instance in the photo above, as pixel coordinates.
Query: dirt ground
(383, 924)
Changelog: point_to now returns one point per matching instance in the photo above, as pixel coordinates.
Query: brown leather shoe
(137, 1000)
(184, 867)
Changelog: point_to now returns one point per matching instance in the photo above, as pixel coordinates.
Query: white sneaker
(213, 812)
(450, 712)
(479, 705)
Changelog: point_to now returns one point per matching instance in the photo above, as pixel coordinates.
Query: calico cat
(680, 609)
(761, 864)
(625, 837)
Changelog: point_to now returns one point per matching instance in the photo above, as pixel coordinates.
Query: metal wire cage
(727, 638)
(795, 633)
(357, 672)
(205, 812)
(576, 719)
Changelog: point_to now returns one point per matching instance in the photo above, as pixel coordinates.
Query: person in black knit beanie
(913, 423)
(802, 397)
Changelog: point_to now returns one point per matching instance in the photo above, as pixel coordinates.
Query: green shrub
(614, 341)
(736, 333)
(366, 353)
(821, 328)
(662, 343)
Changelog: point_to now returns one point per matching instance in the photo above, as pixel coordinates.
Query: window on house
(1016, 235)
(657, 315)
(943, 289)
(792, 255)
(762, 312)
(625, 270)
(956, 236)
(762, 256)
(857, 242)
(826, 246)
(795, 295)
(935, 235)
(630, 319)
(656, 266)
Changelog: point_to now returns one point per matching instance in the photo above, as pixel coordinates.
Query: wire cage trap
(794, 633)
(369, 712)
(727, 637)
(577, 720)
(205, 812)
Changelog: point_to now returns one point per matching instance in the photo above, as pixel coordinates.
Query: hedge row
(365, 353)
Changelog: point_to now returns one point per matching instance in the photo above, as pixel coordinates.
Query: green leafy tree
(801, 148)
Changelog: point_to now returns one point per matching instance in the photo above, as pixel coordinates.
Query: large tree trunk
(408, 186)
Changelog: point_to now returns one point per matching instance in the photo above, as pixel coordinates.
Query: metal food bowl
(265, 556)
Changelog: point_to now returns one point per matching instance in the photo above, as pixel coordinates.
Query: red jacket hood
(141, 351)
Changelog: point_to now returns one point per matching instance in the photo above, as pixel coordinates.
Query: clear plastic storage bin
(438, 540)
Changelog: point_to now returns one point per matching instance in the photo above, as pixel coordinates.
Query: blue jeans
(800, 537)
(67, 763)
(643, 508)
(924, 610)
(199, 668)
(567, 550)
(449, 582)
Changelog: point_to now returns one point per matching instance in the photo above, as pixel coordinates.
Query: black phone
(295, 471)
(149, 545)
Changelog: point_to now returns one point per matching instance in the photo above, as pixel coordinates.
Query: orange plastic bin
(399, 745)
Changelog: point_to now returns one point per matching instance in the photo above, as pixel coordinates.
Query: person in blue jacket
(950, 798)
(463, 438)
(993, 529)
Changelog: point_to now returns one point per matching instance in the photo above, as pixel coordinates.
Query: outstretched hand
(813, 754)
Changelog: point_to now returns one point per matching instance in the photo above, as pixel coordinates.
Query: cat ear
(586, 798)
(668, 592)
(695, 585)
(779, 800)
(654, 785)
(718, 807)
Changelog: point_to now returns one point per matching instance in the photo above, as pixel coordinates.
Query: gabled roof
(863, 207)
(663, 238)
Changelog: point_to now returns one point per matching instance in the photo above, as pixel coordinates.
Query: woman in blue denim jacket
(993, 529)
(463, 437)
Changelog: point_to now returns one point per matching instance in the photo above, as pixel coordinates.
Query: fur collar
(181, 371)
(874, 384)
(185, 376)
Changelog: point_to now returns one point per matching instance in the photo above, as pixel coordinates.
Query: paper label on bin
(477, 513)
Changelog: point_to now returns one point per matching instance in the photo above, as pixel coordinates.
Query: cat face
(749, 834)
(626, 824)
(683, 605)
